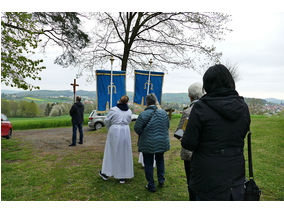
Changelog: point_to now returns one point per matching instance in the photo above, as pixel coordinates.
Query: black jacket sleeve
(191, 137)
(71, 112)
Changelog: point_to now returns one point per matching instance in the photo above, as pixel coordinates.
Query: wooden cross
(74, 89)
(170, 110)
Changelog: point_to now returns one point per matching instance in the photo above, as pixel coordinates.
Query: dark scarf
(122, 107)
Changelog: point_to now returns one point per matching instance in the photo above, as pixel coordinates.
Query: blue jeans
(148, 159)
(74, 136)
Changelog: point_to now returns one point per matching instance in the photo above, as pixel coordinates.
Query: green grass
(43, 122)
(268, 155)
(30, 174)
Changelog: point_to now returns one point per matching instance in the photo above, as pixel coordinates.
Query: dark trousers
(187, 173)
(232, 194)
(74, 136)
(148, 159)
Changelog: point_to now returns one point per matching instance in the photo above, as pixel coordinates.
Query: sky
(255, 45)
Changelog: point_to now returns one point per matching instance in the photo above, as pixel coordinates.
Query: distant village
(266, 109)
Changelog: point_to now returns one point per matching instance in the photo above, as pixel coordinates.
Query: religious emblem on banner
(148, 84)
(113, 89)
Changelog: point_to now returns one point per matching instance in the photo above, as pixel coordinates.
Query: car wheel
(9, 134)
(98, 125)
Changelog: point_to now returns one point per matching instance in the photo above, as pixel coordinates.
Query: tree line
(30, 109)
(19, 109)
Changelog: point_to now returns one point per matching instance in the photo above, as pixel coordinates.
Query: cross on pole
(74, 89)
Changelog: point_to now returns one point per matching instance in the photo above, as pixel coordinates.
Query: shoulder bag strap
(249, 155)
(150, 118)
(147, 122)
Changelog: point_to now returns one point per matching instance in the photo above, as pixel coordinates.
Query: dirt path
(59, 138)
(56, 140)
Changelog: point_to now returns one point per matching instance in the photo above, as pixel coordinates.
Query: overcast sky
(256, 45)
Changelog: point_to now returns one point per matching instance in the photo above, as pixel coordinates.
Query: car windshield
(94, 114)
(4, 117)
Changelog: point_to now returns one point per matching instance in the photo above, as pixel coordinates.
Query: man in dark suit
(77, 114)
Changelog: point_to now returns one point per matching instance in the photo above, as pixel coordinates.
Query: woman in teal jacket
(152, 126)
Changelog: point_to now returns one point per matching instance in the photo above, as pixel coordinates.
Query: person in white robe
(118, 160)
(140, 160)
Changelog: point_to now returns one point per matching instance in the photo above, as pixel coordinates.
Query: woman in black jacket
(215, 132)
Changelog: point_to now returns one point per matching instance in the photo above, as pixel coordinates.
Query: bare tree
(234, 70)
(180, 39)
(22, 33)
(63, 30)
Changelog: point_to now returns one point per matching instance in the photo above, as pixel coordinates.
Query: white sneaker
(121, 181)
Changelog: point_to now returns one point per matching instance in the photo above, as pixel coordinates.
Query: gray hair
(151, 99)
(195, 91)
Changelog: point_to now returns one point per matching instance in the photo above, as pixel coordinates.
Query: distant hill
(179, 98)
(274, 100)
(10, 91)
(47, 94)
(67, 95)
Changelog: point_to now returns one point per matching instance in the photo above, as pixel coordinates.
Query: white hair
(195, 91)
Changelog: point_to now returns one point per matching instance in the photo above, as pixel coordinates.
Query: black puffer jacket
(77, 113)
(216, 129)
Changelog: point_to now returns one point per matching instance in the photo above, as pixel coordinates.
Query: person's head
(151, 99)
(124, 99)
(78, 98)
(195, 91)
(217, 76)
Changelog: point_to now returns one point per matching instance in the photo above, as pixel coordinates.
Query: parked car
(97, 120)
(6, 127)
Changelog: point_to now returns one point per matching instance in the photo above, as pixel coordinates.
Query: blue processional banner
(104, 88)
(141, 85)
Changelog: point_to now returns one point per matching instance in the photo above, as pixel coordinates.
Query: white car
(97, 120)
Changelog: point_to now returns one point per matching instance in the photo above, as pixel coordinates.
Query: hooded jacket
(215, 132)
(77, 113)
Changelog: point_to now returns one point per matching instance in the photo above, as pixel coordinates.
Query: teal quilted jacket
(153, 130)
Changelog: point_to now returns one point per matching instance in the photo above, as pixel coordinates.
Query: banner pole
(111, 81)
(149, 76)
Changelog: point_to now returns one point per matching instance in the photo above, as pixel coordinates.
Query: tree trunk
(125, 58)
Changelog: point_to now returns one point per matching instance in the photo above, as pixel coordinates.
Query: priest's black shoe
(72, 145)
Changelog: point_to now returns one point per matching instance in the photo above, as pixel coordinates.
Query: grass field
(34, 99)
(43, 122)
(29, 174)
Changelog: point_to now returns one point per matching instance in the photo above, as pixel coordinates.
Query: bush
(60, 109)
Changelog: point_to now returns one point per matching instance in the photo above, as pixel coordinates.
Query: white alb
(118, 160)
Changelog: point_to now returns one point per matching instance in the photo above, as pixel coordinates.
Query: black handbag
(179, 133)
(252, 191)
